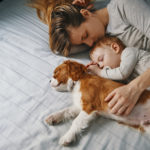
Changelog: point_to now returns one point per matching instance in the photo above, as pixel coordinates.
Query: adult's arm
(123, 99)
(142, 82)
(129, 59)
(138, 14)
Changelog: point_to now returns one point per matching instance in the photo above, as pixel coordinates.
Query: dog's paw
(67, 139)
(52, 120)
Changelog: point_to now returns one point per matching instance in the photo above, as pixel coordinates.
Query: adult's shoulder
(125, 2)
(130, 2)
(122, 1)
(115, 5)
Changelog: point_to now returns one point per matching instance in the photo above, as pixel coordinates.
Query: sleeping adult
(129, 20)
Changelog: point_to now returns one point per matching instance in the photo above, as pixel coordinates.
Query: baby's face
(106, 57)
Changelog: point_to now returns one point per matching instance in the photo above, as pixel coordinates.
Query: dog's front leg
(80, 123)
(65, 114)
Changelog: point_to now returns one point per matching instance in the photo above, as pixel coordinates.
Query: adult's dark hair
(62, 17)
(58, 15)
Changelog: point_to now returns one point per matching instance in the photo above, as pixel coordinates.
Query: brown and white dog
(89, 92)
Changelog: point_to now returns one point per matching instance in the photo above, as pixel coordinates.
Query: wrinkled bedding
(26, 98)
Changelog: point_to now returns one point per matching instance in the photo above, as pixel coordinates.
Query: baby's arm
(129, 59)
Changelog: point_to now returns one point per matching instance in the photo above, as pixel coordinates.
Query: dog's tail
(44, 8)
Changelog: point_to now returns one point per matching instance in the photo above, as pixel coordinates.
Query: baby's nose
(101, 65)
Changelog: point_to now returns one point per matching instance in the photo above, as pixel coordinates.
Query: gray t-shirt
(129, 20)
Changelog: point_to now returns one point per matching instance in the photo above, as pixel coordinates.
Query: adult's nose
(89, 42)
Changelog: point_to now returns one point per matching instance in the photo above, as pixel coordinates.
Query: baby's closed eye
(100, 58)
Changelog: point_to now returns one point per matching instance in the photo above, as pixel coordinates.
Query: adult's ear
(85, 13)
(115, 47)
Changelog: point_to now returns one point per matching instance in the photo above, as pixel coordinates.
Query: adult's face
(89, 31)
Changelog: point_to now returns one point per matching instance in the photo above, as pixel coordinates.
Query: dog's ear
(76, 70)
(68, 62)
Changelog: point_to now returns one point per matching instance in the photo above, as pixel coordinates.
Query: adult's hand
(122, 100)
(81, 2)
(84, 3)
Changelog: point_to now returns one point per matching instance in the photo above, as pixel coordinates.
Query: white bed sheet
(26, 98)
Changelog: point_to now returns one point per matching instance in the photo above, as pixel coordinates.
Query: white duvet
(26, 98)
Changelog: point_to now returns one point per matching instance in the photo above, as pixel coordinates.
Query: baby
(112, 60)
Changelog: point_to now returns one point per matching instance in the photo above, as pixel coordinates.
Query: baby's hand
(91, 63)
(93, 68)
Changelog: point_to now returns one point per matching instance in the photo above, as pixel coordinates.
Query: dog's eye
(54, 76)
(56, 73)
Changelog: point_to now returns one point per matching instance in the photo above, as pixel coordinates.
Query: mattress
(26, 98)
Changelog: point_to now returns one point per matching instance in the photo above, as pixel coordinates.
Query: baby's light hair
(107, 41)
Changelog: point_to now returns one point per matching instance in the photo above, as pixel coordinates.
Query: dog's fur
(89, 92)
